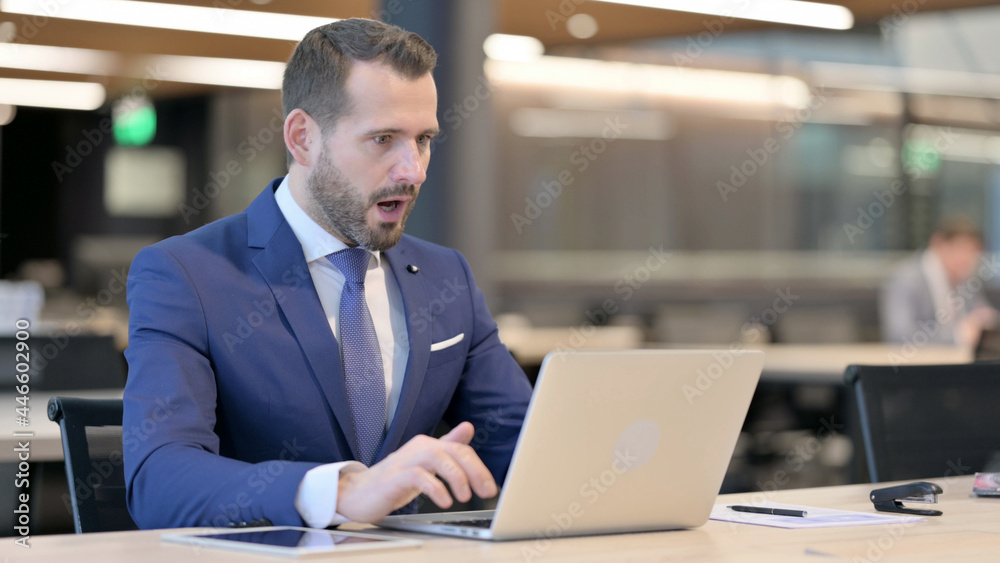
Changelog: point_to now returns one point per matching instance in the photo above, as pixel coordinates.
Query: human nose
(411, 168)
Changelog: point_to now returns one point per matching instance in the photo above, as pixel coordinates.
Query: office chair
(927, 421)
(92, 444)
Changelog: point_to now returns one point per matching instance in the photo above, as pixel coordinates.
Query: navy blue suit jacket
(236, 388)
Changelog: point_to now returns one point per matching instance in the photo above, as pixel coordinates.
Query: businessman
(287, 364)
(937, 294)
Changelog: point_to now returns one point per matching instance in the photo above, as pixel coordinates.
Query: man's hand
(368, 496)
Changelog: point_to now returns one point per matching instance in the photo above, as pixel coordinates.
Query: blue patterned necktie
(363, 371)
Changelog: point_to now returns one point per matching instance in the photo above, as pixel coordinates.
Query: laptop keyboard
(478, 523)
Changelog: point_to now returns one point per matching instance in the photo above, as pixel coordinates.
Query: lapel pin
(412, 269)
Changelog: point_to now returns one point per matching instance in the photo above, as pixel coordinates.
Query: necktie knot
(352, 262)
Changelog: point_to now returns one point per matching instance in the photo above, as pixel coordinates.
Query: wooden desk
(826, 363)
(968, 531)
(793, 363)
(46, 444)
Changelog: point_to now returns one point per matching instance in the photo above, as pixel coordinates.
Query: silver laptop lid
(624, 441)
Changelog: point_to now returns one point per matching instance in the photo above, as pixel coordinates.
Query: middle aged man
(273, 350)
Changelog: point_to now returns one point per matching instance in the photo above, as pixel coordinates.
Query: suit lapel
(283, 267)
(414, 293)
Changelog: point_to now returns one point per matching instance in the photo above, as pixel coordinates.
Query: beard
(340, 208)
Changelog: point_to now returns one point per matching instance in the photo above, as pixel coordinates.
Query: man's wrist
(316, 499)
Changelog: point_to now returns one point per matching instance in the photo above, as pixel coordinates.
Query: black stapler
(891, 499)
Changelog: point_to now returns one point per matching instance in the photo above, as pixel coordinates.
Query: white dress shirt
(937, 280)
(316, 499)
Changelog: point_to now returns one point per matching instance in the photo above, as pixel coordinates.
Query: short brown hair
(317, 71)
(958, 226)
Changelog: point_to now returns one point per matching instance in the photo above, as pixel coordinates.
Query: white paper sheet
(815, 517)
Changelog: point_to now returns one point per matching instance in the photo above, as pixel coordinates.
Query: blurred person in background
(938, 293)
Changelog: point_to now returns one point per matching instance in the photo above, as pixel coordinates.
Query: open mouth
(388, 205)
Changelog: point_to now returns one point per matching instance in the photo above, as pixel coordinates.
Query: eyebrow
(396, 131)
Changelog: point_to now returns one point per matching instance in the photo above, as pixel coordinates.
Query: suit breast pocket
(450, 354)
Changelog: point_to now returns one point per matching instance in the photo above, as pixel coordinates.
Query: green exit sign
(133, 122)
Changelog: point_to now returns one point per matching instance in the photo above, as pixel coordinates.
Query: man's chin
(385, 236)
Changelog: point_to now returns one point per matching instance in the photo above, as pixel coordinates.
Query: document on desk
(815, 517)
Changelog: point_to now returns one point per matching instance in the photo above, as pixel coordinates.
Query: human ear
(302, 136)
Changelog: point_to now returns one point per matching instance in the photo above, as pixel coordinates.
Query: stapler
(891, 499)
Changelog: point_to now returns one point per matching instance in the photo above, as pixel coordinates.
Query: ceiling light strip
(51, 94)
(635, 78)
(224, 21)
(794, 12)
(241, 73)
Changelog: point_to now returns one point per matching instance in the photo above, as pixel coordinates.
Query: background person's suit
(907, 311)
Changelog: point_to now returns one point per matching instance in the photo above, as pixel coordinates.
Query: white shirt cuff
(316, 500)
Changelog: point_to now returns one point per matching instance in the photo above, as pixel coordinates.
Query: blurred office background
(618, 174)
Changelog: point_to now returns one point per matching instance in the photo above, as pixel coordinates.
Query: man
(937, 293)
(271, 350)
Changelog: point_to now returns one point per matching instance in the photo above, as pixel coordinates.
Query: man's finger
(462, 433)
(446, 464)
(477, 475)
(430, 485)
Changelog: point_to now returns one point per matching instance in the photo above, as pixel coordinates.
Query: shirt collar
(316, 241)
(937, 279)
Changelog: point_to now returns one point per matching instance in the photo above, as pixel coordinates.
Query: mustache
(390, 192)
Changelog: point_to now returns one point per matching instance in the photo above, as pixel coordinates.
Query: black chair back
(928, 421)
(92, 445)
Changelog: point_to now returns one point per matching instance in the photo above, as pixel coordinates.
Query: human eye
(426, 140)
(382, 139)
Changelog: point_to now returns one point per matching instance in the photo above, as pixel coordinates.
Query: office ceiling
(538, 18)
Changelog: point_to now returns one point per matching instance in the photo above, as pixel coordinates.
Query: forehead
(380, 98)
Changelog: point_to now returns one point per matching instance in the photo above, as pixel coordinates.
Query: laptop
(615, 441)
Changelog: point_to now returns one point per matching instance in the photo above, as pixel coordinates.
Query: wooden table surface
(969, 530)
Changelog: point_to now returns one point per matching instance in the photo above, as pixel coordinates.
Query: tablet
(290, 541)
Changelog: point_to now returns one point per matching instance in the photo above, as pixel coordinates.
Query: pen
(765, 510)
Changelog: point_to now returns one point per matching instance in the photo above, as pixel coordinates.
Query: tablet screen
(285, 540)
(293, 538)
